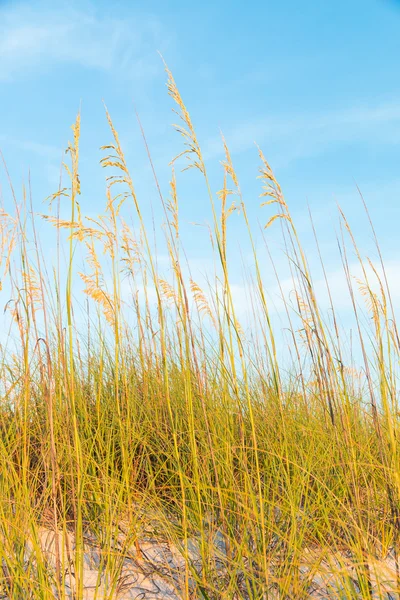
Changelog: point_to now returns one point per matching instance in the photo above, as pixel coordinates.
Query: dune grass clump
(161, 419)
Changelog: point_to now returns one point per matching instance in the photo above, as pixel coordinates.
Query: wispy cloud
(42, 150)
(292, 136)
(339, 287)
(40, 35)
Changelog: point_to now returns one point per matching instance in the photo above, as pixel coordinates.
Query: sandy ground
(152, 570)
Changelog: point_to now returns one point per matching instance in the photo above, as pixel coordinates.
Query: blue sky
(315, 84)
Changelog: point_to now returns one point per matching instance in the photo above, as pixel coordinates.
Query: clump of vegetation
(174, 426)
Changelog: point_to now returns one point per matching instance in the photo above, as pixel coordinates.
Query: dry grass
(172, 431)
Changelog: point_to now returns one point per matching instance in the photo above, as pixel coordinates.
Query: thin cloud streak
(35, 38)
(292, 136)
(42, 150)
